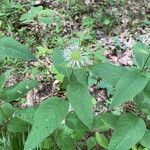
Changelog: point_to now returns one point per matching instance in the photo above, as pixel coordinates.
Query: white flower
(76, 57)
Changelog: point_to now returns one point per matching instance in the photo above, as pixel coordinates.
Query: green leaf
(6, 111)
(18, 90)
(108, 72)
(59, 77)
(109, 119)
(59, 63)
(48, 143)
(91, 142)
(81, 76)
(128, 131)
(26, 114)
(111, 2)
(81, 102)
(31, 14)
(47, 118)
(145, 141)
(17, 125)
(146, 22)
(142, 101)
(130, 84)
(11, 48)
(99, 124)
(141, 53)
(101, 140)
(146, 90)
(105, 121)
(65, 142)
(45, 20)
(73, 122)
(3, 79)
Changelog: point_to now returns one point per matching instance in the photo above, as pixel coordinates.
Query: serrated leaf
(11, 48)
(108, 72)
(18, 90)
(128, 131)
(81, 102)
(145, 141)
(47, 118)
(130, 84)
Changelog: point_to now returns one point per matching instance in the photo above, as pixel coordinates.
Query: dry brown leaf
(31, 95)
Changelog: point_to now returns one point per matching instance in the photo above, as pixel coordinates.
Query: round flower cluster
(76, 57)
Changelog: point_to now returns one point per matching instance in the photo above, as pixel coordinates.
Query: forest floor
(112, 26)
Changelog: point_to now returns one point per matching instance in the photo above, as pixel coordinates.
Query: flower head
(76, 57)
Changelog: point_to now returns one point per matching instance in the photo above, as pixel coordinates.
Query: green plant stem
(145, 63)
